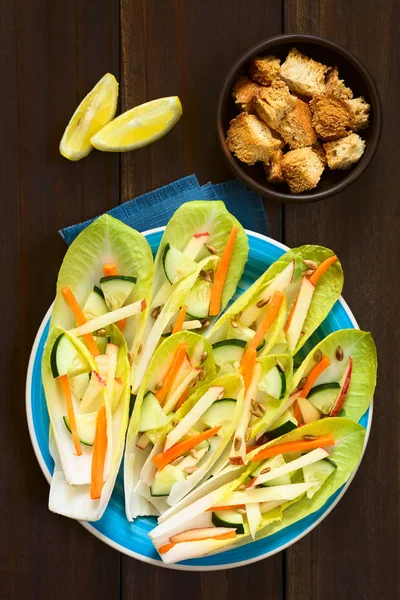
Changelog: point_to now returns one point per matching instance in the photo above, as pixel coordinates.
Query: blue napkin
(155, 209)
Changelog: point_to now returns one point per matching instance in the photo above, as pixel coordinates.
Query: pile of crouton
(297, 118)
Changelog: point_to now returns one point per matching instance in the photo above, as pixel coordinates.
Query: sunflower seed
(156, 312)
(307, 273)
(211, 248)
(261, 407)
(261, 303)
(158, 386)
(339, 353)
(101, 332)
(253, 326)
(237, 316)
(204, 357)
(302, 383)
(311, 264)
(205, 323)
(318, 356)
(254, 405)
(280, 365)
(247, 435)
(301, 334)
(193, 452)
(241, 511)
(140, 348)
(242, 487)
(238, 442)
(175, 422)
(310, 438)
(193, 383)
(178, 460)
(202, 375)
(234, 324)
(206, 275)
(256, 413)
(130, 357)
(190, 469)
(266, 470)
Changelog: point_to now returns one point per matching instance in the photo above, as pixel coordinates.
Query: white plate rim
(131, 553)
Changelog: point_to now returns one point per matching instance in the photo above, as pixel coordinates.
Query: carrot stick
(270, 316)
(165, 548)
(172, 372)
(71, 413)
(298, 446)
(322, 268)
(247, 366)
(164, 458)
(232, 507)
(290, 317)
(225, 536)
(313, 376)
(179, 321)
(220, 274)
(121, 324)
(182, 399)
(297, 414)
(80, 319)
(109, 269)
(99, 454)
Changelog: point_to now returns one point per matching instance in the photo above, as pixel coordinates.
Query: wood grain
(355, 553)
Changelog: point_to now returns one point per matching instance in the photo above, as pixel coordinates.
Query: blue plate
(132, 538)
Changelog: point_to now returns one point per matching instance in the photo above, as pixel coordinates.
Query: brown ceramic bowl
(355, 76)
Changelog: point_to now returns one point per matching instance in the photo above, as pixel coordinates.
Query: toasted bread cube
(251, 140)
(331, 117)
(273, 168)
(244, 91)
(342, 154)
(302, 169)
(296, 127)
(303, 75)
(335, 86)
(273, 103)
(318, 148)
(360, 113)
(264, 69)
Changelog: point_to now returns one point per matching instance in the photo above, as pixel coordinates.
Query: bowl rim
(132, 554)
(356, 171)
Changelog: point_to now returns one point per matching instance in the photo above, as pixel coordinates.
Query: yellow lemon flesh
(139, 126)
(95, 111)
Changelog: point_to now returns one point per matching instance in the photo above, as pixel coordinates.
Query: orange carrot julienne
(165, 548)
(299, 446)
(247, 366)
(320, 270)
(165, 458)
(290, 317)
(179, 321)
(109, 269)
(121, 324)
(71, 413)
(297, 414)
(221, 272)
(225, 536)
(313, 376)
(270, 316)
(172, 372)
(231, 507)
(182, 399)
(80, 319)
(99, 454)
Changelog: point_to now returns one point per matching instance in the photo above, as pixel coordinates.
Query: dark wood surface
(51, 54)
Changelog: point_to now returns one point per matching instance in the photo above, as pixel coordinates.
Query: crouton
(264, 69)
(331, 117)
(342, 154)
(273, 168)
(319, 151)
(296, 127)
(273, 103)
(302, 169)
(360, 113)
(244, 91)
(251, 140)
(335, 86)
(303, 75)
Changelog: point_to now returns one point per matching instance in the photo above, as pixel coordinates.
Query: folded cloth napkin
(154, 209)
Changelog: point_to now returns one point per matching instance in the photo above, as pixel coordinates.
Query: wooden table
(51, 54)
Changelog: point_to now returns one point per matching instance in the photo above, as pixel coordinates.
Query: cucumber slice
(275, 383)
(176, 264)
(116, 289)
(323, 396)
(220, 412)
(65, 358)
(165, 479)
(152, 415)
(198, 301)
(85, 426)
(95, 305)
(228, 351)
(287, 422)
(228, 518)
(79, 383)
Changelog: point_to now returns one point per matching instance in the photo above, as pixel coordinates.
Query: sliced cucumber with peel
(176, 264)
(286, 423)
(275, 383)
(95, 305)
(228, 351)
(165, 479)
(228, 518)
(198, 300)
(116, 289)
(79, 383)
(65, 358)
(220, 412)
(85, 427)
(152, 415)
(324, 395)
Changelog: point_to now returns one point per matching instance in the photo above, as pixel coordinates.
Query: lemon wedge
(95, 111)
(139, 126)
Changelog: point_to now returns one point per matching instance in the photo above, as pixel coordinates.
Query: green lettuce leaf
(361, 347)
(106, 240)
